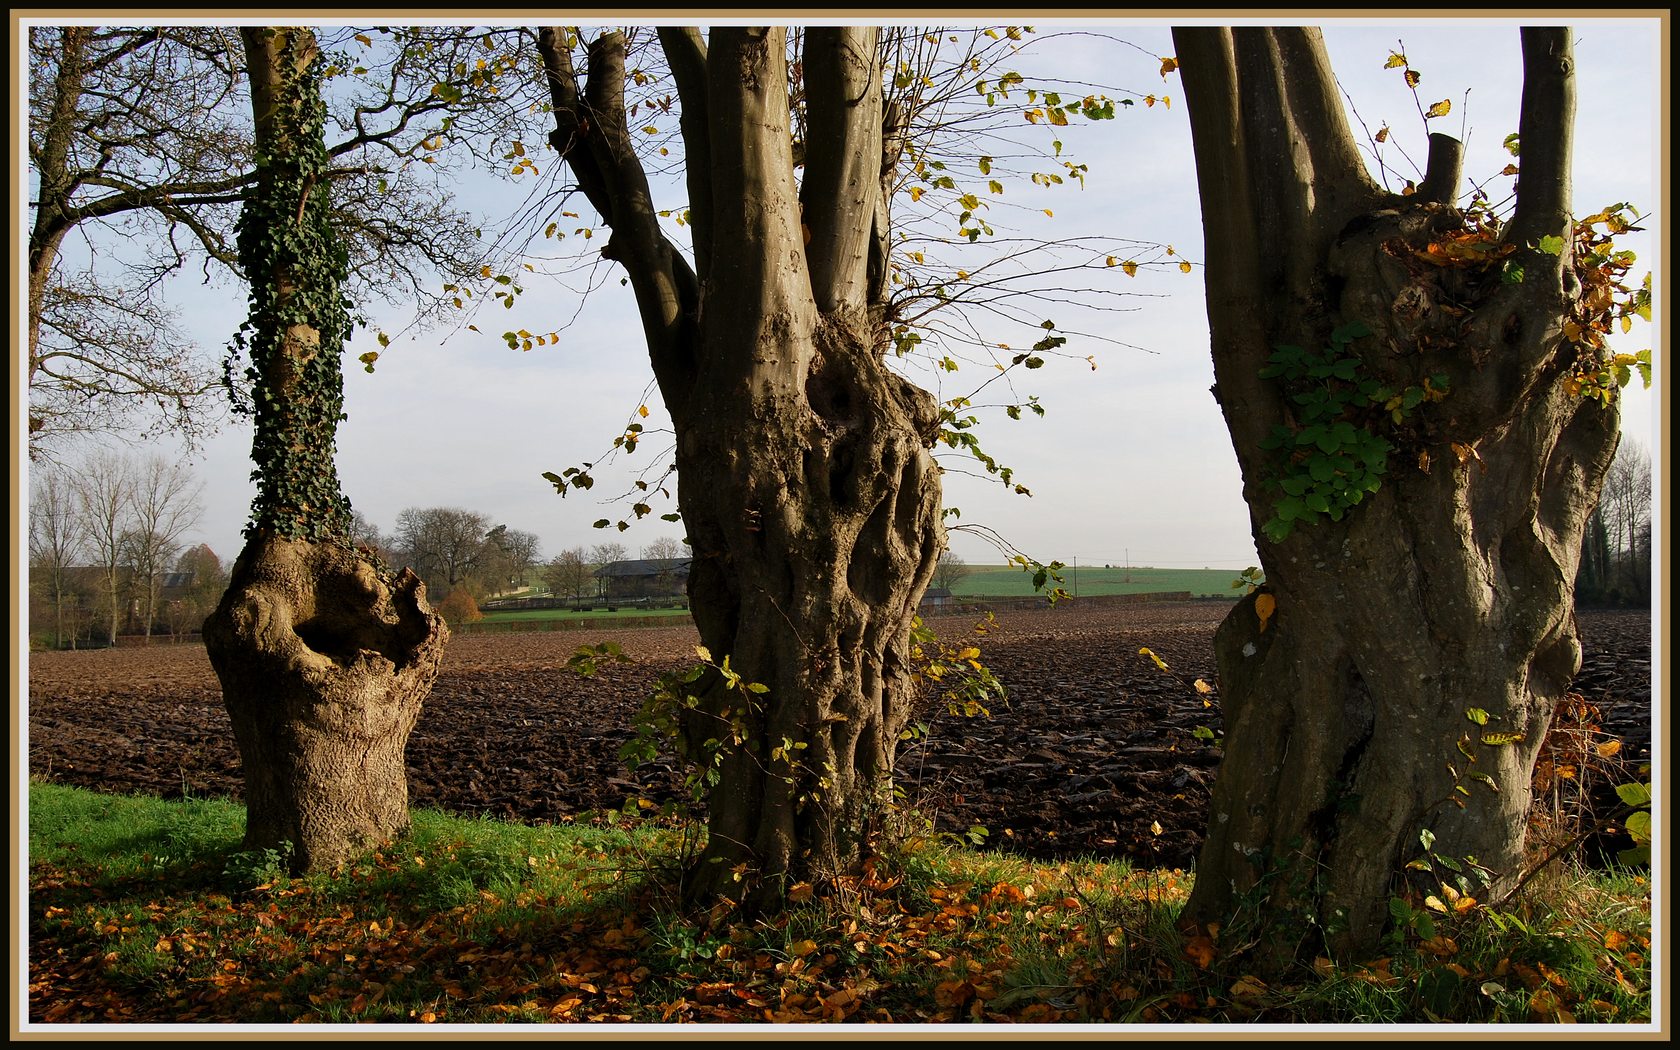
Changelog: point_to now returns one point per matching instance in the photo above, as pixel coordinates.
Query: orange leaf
(1199, 950)
(1264, 606)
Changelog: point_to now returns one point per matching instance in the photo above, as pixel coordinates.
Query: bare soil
(1095, 752)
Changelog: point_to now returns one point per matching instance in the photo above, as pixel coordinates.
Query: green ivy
(295, 264)
(1336, 451)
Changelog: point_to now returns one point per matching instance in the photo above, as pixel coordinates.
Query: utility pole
(1128, 565)
(1076, 575)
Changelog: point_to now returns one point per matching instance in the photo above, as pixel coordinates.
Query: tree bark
(805, 476)
(1450, 589)
(324, 663)
(324, 656)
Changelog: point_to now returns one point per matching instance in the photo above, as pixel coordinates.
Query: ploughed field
(1095, 752)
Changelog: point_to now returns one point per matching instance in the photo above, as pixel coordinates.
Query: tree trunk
(1407, 670)
(805, 476)
(324, 660)
(324, 656)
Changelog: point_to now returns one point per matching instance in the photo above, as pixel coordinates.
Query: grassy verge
(142, 910)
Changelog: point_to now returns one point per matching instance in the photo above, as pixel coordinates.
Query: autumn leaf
(1439, 109)
(1162, 664)
(1264, 606)
(1130, 267)
(1395, 60)
(1167, 66)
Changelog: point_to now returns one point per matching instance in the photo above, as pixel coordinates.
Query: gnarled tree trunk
(323, 654)
(1353, 711)
(324, 659)
(805, 476)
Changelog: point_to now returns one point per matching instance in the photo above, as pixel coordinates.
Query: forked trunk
(805, 479)
(1385, 694)
(324, 659)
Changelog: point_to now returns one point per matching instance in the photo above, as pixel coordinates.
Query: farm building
(644, 578)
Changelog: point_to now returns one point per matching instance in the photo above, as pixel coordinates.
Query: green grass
(599, 613)
(146, 911)
(1004, 581)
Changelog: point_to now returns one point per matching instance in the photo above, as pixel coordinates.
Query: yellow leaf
(799, 949)
(1155, 827)
(1395, 60)
(1203, 687)
(1264, 606)
(1057, 117)
(1112, 261)
(642, 411)
(1130, 267)
(800, 892)
(1162, 664)
(916, 193)
(1184, 267)
(1167, 66)
(1439, 109)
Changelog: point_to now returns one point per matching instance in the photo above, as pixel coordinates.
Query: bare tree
(950, 571)
(56, 533)
(138, 143)
(445, 545)
(567, 574)
(1626, 503)
(104, 489)
(166, 506)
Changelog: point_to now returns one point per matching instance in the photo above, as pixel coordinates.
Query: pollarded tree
(805, 476)
(804, 460)
(323, 654)
(1405, 385)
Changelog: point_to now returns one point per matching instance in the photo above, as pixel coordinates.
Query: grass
(602, 613)
(142, 910)
(1006, 581)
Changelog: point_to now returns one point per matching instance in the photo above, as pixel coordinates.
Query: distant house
(935, 597)
(644, 578)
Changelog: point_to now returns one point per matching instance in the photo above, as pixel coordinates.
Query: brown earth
(1095, 751)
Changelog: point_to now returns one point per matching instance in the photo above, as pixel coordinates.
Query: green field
(504, 615)
(1003, 580)
(984, 581)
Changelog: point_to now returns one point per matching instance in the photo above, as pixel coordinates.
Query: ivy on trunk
(324, 654)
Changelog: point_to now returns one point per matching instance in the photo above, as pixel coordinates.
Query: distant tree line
(108, 552)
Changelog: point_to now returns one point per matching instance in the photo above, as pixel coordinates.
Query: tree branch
(842, 161)
(1546, 128)
(686, 52)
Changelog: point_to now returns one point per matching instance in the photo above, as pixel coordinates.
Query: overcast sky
(1131, 462)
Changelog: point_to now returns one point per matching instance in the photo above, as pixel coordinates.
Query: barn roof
(645, 567)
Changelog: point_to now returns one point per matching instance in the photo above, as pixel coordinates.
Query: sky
(1131, 464)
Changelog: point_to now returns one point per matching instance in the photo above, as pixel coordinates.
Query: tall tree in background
(104, 492)
(56, 534)
(323, 654)
(1391, 683)
(166, 505)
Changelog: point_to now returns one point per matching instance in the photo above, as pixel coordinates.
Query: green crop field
(502, 616)
(1003, 580)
